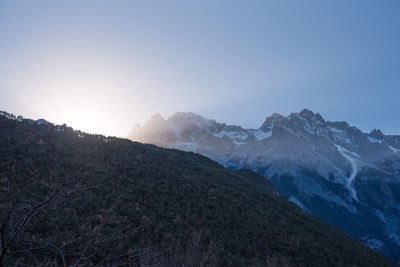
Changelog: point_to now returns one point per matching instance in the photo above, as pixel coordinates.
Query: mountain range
(68, 198)
(334, 171)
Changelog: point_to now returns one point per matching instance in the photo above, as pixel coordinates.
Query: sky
(103, 66)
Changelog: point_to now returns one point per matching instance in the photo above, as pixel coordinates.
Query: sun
(83, 105)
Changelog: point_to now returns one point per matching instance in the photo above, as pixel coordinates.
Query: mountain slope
(169, 194)
(347, 178)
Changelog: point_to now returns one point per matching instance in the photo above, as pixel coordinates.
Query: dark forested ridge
(95, 200)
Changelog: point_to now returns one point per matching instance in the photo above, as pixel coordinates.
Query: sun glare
(80, 92)
(84, 104)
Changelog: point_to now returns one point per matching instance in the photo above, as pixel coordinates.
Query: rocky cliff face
(344, 176)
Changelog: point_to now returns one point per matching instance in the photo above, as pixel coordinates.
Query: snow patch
(394, 150)
(231, 135)
(335, 130)
(355, 162)
(313, 129)
(262, 135)
(313, 125)
(373, 243)
(374, 140)
(296, 201)
(239, 143)
(339, 134)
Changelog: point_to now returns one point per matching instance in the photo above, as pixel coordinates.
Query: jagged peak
(274, 119)
(308, 114)
(276, 115)
(156, 121)
(312, 121)
(377, 133)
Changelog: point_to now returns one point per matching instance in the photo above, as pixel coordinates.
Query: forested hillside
(70, 198)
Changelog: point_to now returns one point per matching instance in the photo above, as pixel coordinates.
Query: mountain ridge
(168, 193)
(311, 161)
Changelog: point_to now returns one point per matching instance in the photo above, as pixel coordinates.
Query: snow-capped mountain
(342, 175)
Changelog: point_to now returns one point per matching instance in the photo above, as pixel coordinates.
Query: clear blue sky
(102, 66)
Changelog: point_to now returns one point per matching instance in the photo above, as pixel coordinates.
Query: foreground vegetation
(69, 198)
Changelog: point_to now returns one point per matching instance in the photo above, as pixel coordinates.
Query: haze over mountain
(346, 177)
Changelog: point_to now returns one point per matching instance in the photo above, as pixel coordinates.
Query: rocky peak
(306, 113)
(156, 118)
(273, 120)
(329, 161)
(377, 133)
(310, 116)
(156, 123)
(189, 119)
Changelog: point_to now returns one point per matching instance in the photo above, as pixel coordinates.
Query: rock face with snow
(344, 176)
